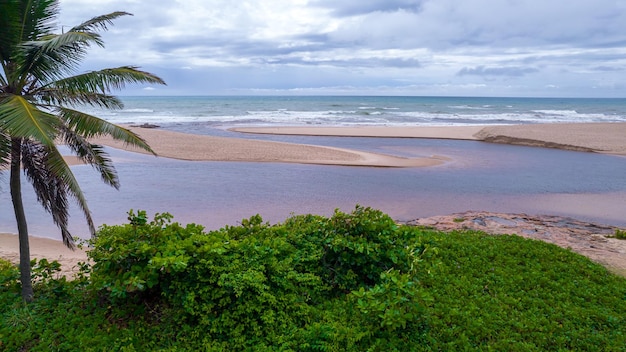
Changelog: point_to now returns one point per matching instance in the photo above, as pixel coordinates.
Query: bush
(257, 284)
(620, 234)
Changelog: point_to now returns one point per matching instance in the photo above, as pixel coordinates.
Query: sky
(525, 48)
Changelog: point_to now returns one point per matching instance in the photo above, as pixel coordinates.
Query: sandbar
(184, 146)
(589, 137)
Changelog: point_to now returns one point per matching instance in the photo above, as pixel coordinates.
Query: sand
(590, 137)
(596, 137)
(209, 148)
(43, 248)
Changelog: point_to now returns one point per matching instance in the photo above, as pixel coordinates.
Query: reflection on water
(481, 176)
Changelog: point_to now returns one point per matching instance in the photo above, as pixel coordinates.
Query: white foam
(362, 115)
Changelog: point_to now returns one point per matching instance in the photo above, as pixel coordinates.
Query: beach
(43, 248)
(606, 138)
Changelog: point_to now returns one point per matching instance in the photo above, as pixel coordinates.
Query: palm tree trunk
(20, 217)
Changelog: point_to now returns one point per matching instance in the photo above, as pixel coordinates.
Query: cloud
(312, 44)
(497, 71)
(354, 8)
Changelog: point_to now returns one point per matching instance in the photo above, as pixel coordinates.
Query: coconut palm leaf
(99, 22)
(50, 190)
(57, 166)
(90, 126)
(104, 81)
(20, 118)
(93, 155)
(10, 27)
(5, 150)
(53, 97)
(37, 17)
(55, 56)
(24, 20)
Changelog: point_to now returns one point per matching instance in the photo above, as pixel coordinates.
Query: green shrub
(9, 275)
(351, 282)
(241, 282)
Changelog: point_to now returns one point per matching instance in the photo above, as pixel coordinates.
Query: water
(228, 111)
(482, 176)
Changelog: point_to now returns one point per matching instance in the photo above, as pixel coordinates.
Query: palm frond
(20, 118)
(100, 22)
(10, 27)
(55, 56)
(4, 83)
(50, 190)
(90, 126)
(51, 96)
(93, 155)
(106, 80)
(58, 166)
(5, 150)
(38, 17)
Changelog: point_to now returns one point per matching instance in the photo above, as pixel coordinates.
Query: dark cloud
(354, 8)
(497, 71)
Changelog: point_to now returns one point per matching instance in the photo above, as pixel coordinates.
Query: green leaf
(90, 126)
(21, 118)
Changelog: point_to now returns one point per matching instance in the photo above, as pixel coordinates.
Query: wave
(443, 114)
(138, 110)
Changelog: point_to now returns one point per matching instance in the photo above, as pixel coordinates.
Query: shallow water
(481, 176)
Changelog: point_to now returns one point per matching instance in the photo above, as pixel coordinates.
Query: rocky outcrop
(589, 239)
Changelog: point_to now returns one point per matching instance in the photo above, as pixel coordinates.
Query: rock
(585, 238)
(146, 125)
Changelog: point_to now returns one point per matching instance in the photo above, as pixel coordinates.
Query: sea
(237, 111)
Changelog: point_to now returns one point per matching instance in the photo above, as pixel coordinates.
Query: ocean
(232, 111)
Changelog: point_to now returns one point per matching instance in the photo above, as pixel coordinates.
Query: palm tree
(40, 92)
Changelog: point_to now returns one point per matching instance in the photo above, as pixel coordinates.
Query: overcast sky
(552, 48)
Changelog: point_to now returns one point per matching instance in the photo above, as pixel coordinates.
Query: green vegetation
(620, 234)
(39, 90)
(351, 282)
